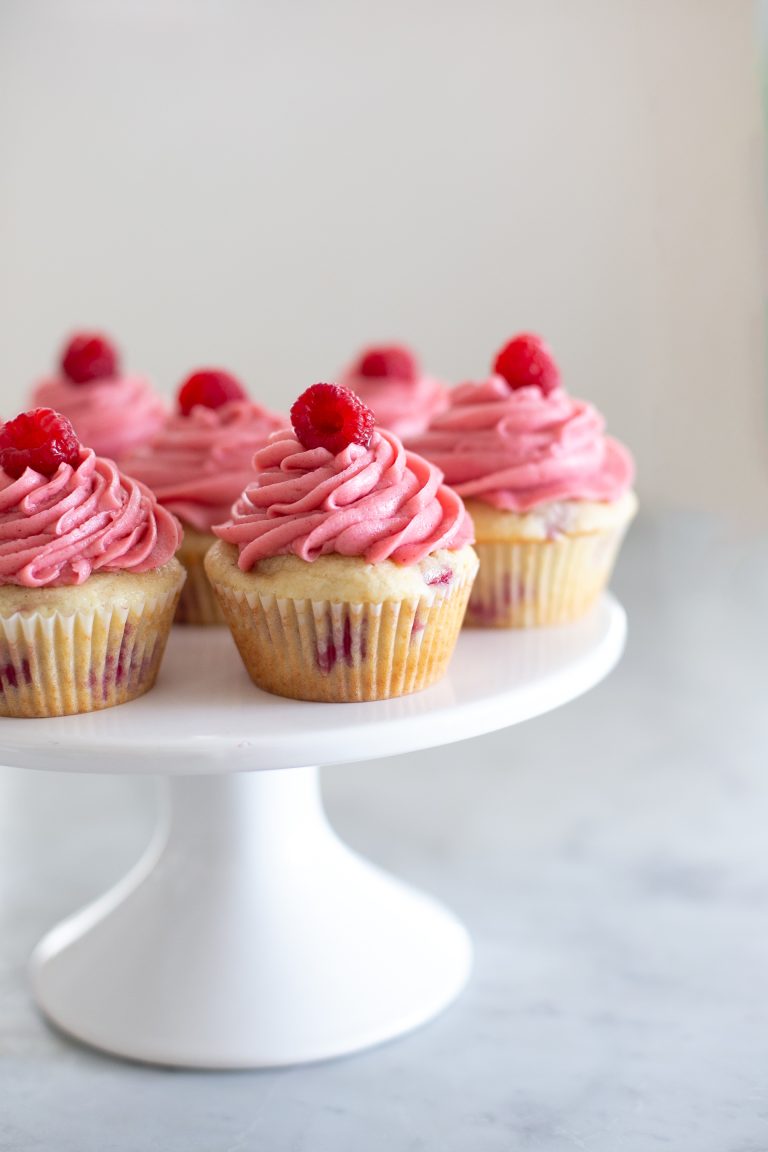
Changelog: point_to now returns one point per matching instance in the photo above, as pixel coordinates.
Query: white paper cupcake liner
(530, 583)
(56, 664)
(339, 652)
(198, 603)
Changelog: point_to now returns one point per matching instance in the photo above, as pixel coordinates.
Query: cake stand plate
(248, 935)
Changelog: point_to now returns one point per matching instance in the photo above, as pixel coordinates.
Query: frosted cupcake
(346, 567)
(88, 579)
(197, 466)
(111, 411)
(389, 381)
(550, 494)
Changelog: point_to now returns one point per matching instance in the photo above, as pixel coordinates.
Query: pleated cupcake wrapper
(339, 652)
(198, 603)
(528, 583)
(57, 664)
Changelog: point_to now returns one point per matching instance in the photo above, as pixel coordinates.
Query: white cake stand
(248, 935)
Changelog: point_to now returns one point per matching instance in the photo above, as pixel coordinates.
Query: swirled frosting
(59, 529)
(198, 464)
(405, 407)
(517, 449)
(113, 416)
(379, 502)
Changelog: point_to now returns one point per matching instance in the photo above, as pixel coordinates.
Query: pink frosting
(405, 407)
(59, 529)
(380, 502)
(518, 449)
(112, 416)
(198, 465)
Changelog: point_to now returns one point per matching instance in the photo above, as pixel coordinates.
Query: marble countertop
(609, 859)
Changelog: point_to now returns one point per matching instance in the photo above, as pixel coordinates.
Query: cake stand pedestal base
(249, 936)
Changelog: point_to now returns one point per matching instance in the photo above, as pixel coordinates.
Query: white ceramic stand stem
(249, 935)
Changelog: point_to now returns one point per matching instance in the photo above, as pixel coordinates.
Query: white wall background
(270, 184)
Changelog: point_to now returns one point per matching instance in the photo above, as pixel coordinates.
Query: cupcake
(197, 466)
(549, 493)
(88, 579)
(113, 413)
(345, 569)
(389, 381)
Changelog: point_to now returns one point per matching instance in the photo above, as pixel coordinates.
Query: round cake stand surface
(248, 935)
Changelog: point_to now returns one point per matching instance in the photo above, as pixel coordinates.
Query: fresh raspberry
(389, 362)
(527, 362)
(41, 439)
(332, 417)
(89, 356)
(210, 387)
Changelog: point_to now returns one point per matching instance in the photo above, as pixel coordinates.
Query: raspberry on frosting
(525, 361)
(41, 440)
(210, 388)
(89, 356)
(388, 362)
(328, 416)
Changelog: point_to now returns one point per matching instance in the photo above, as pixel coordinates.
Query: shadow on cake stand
(248, 935)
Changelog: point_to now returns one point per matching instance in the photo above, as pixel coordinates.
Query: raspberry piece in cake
(41, 439)
(388, 362)
(332, 417)
(441, 576)
(209, 387)
(526, 362)
(89, 356)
